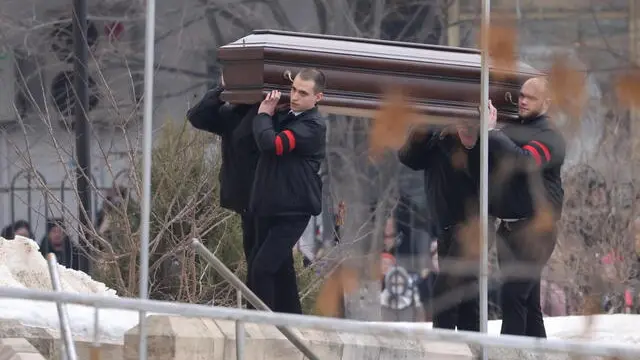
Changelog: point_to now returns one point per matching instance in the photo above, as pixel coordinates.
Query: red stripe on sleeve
(545, 150)
(292, 139)
(535, 153)
(279, 146)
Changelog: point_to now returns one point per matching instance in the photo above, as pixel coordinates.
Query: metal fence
(415, 331)
(144, 305)
(40, 199)
(31, 197)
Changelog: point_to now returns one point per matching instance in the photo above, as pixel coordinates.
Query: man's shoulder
(313, 114)
(551, 129)
(313, 118)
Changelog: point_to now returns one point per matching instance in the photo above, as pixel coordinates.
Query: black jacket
(233, 123)
(452, 194)
(287, 176)
(531, 152)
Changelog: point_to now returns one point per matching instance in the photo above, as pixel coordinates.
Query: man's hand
(222, 80)
(268, 105)
(493, 116)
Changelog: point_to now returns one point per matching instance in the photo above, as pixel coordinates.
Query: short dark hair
(316, 76)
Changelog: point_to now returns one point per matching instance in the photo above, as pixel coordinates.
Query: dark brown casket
(442, 81)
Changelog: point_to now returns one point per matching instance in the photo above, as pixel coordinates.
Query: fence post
(28, 189)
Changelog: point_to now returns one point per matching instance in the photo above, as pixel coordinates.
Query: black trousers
(248, 236)
(272, 274)
(248, 242)
(522, 254)
(455, 292)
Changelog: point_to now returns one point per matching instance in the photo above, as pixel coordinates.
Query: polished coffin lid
(442, 81)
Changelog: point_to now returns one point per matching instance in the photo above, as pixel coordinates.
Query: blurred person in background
(452, 196)
(20, 228)
(387, 262)
(7, 232)
(427, 281)
(23, 228)
(390, 236)
(233, 124)
(57, 241)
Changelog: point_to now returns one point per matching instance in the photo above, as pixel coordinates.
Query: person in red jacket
(525, 158)
(287, 189)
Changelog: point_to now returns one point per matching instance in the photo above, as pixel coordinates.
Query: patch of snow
(22, 266)
(615, 328)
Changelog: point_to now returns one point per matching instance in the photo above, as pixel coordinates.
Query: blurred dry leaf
(503, 40)
(391, 123)
(628, 89)
(340, 281)
(567, 88)
(544, 220)
(591, 307)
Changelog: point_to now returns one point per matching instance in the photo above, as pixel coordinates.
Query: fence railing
(37, 182)
(249, 295)
(63, 316)
(49, 200)
(400, 330)
(281, 321)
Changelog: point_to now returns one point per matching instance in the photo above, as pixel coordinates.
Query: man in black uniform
(287, 189)
(233, 123)
(452, 195)
(532, 151)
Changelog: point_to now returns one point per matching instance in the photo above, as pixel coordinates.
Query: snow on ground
(22, 265)
(618, 328)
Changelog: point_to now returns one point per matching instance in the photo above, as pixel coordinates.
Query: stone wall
(173, 337)
(190, 338)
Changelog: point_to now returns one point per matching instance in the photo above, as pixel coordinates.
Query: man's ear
(319, 97)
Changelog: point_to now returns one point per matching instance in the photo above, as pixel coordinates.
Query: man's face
(389, 235)
(532, 100)
(56, 235)
(386, 264)
(467, 133)
(23, 232)
(303, 95)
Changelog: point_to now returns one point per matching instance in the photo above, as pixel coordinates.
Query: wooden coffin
(442, 81)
